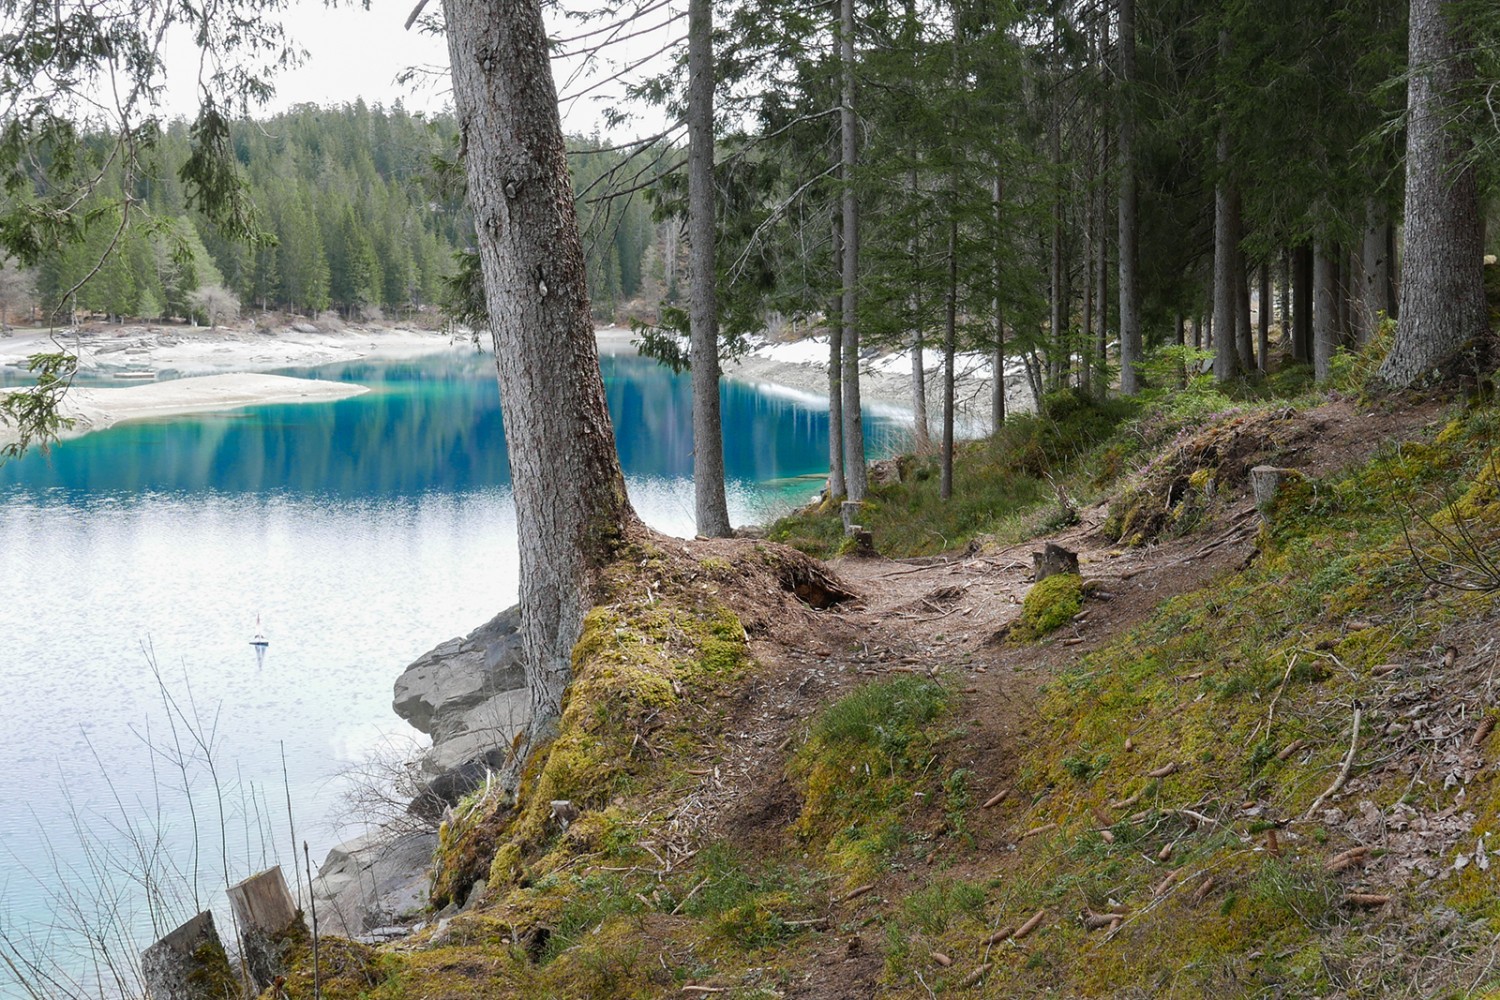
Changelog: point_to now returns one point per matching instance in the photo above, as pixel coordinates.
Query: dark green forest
(357, 211)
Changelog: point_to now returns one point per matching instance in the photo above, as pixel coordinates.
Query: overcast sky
(354, 53)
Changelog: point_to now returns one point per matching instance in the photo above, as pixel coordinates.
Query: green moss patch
(1049, 605)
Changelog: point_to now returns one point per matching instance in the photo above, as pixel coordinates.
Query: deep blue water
(361, 532)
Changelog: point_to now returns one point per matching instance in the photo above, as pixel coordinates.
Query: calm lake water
(361, 532)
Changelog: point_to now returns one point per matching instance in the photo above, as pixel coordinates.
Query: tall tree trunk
(1226, 259)
(997, 379)
(1374, 276)
(571, 507)
(708, 434)
(1244, 336)
(1263, 319)
(1284, 293)
(922, 437)
(950, 352)
(1302, 304)
(1058, 352)
(837, 487)
(1326, 310)
(1443, 310)
(854, 427)
(1130, 298)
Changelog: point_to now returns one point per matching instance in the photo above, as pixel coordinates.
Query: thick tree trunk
(1302, 304)
(1443, 310)
(708, 435)
(1326, 310)
(571, 507)
(837, 488)
(1130, 299)
(854, 428)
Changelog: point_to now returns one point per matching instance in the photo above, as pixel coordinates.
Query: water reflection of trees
(432, 425)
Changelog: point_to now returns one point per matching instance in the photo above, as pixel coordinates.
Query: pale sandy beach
(222, 369)
(210, 369)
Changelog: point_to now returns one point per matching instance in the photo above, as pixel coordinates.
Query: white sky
(354, 53)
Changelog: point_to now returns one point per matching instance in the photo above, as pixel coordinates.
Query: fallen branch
(1290, 749)
(1044, 828)
(691, 893)
(1338, 782)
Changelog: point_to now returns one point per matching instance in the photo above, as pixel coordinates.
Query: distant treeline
(361, 215)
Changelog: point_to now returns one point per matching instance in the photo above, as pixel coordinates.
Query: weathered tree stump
(864, 544)
(1266, 482)
(264, 910)
(1052, 560)
(849, 510)
(189, 964)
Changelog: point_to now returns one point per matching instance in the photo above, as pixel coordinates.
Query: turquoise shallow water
(362, 533)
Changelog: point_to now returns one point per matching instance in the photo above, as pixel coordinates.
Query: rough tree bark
(1442, 272)
(854, 429)
(1130, 299)
(837, 488)
(709, 504)
(1442, 281)
(997, 381)
(571, 507)
(1263, 319)
(1375, 277)
(1226, 259)
(950, 354)
(1302, 307)
(1325, 311)
(922, 435)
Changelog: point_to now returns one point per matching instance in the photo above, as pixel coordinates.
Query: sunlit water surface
(361, 532)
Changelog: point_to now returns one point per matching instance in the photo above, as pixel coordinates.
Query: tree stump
(1266, 482)
(1052, 560)
(849, 510)
(189, 964)
(864, 544)
(264, 910)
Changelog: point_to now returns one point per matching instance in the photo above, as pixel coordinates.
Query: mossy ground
(1160, 752)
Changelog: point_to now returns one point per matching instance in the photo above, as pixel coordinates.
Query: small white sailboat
(259, 640)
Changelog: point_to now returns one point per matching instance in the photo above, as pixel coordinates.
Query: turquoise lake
(361, 532)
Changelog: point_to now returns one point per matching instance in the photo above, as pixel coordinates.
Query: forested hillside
(358, 214)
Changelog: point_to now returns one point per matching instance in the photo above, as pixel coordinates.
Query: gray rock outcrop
(468, 694)
(373, 881)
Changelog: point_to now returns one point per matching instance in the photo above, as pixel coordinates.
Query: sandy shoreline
(216, 369)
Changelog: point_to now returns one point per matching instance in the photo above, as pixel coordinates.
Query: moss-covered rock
(1049, 605)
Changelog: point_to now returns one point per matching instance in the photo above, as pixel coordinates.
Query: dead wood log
(189, 964)
(264, 911)
(1053, 560)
